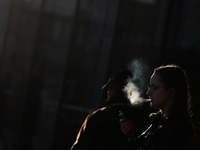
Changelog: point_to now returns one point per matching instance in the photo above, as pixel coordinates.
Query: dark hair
(174, 76)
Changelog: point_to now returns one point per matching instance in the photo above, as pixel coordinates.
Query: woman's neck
(165, 113)
(167, 108)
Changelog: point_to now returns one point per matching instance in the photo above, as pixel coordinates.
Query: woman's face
(158, 93)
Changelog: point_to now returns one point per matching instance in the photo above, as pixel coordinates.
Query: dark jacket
(101, 129)
(164, 134)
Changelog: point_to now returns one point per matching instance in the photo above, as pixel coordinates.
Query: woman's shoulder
(155, 117)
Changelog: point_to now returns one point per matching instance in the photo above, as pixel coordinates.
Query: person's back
(101, 129)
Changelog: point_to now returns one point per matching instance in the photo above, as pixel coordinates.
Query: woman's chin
(153, 105)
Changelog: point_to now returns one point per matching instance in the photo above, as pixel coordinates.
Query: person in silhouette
(101, 129)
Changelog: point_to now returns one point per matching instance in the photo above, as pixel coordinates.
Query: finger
(126, 127)
(124, 120)
(126, 123)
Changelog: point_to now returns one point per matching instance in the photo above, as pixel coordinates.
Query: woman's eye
(155, 88)
(152, 87)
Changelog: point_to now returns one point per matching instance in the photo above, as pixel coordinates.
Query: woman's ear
(172, 91)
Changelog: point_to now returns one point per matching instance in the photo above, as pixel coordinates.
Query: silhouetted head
(116, 82)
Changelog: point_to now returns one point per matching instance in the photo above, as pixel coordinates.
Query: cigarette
(122, 116)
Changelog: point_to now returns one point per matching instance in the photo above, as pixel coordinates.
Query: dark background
(55, 55)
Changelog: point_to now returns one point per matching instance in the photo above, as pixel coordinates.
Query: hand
(127, 129)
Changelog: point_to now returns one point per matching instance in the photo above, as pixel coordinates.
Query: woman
(171, 128)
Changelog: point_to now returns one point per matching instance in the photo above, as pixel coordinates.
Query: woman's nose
(148, 93)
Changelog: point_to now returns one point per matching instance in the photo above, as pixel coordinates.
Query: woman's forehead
(155, 79)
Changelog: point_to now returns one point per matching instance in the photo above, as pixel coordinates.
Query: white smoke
(137, 85)
(133, 94)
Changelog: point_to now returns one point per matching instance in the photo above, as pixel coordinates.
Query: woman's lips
(149, 99)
